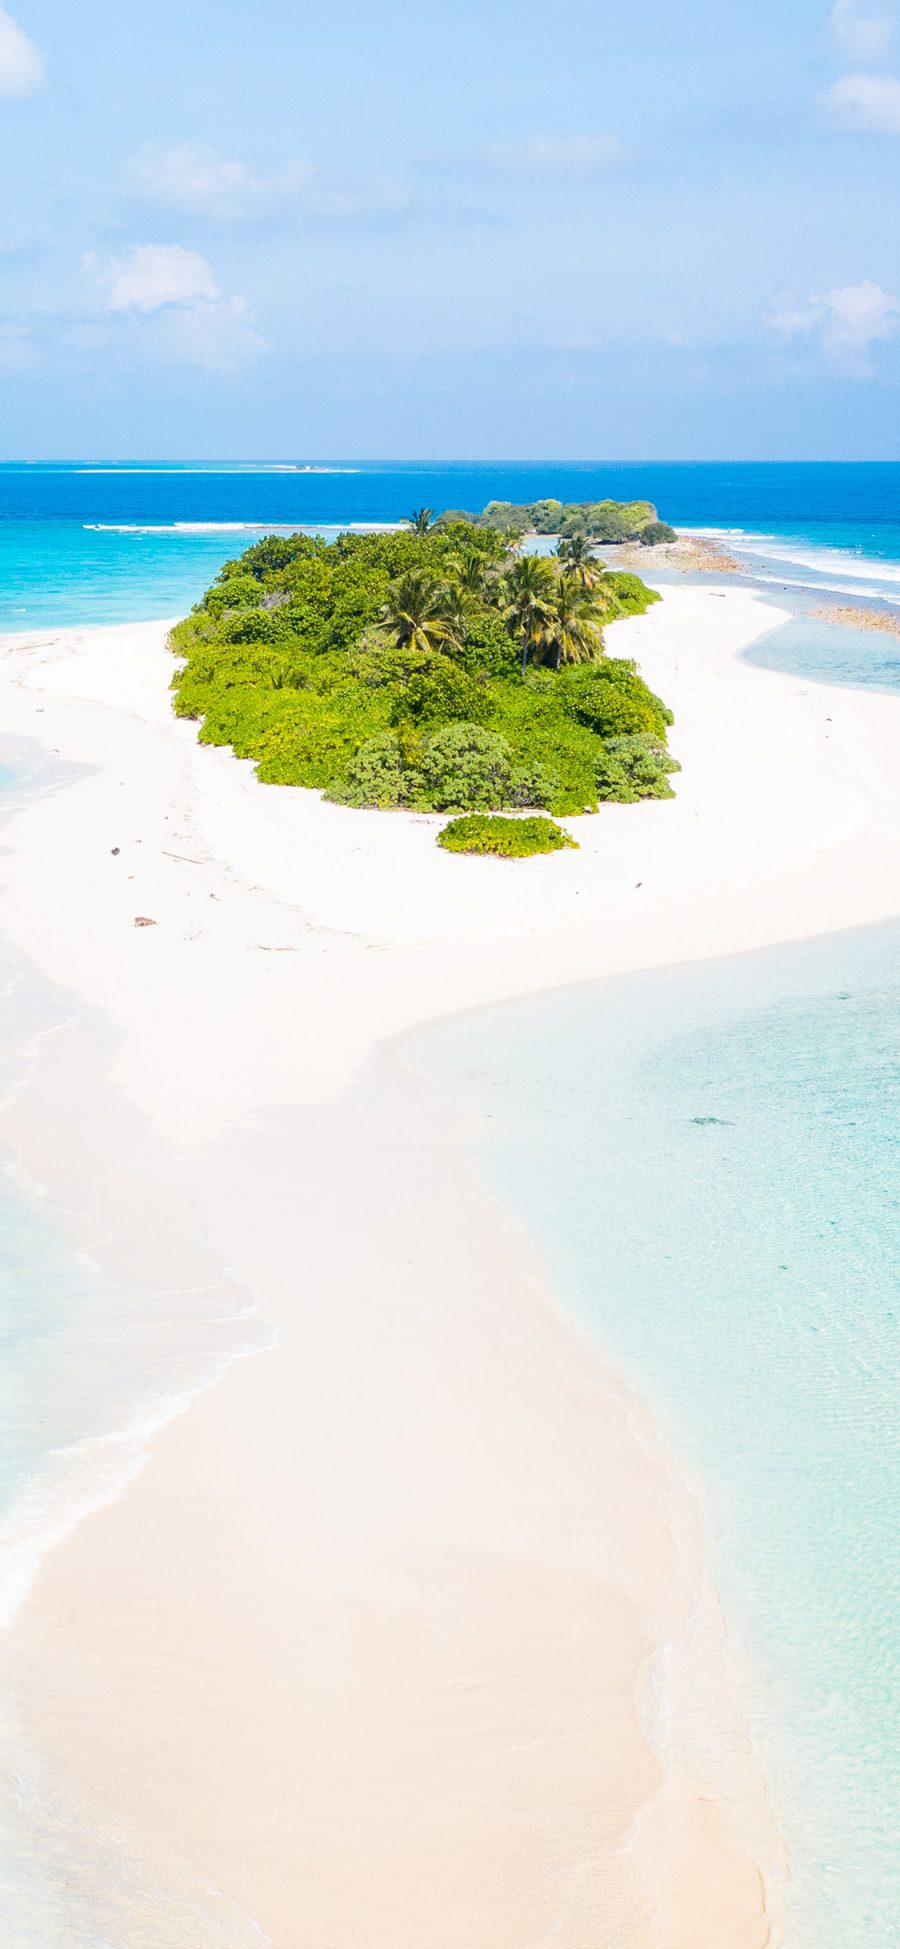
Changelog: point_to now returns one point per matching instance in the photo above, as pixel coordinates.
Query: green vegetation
(434, 669)
(592, 521)
(504, 838)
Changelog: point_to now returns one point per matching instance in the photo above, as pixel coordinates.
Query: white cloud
(21, 64)
(189, 177)
(195, 179)
(865, 101)
(153, 275)
(863, 33)
(176, 291)
(219, 336)
(846, 323)
(557, 155)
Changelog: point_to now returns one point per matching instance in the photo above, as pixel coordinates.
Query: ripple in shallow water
(710, 1159)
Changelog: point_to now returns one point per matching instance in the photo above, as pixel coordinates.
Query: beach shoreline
(292, 942)
(520, 1754)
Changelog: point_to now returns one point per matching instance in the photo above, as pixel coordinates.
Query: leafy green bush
(504, 838)
(489, 650)
(441, 692)
(608, 520)
(376, 775)
(656, 532)
(633, 598)
(235, 591)
(633, 768)
(613, 700)
(466, 769)
(450, 518)
(534, 784)
(506, 517)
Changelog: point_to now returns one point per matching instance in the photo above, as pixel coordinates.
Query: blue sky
(500, 229)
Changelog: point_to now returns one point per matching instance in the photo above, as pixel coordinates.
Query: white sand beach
(366, 1645)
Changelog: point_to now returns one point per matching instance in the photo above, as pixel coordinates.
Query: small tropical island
(614, 522)
(437, 669)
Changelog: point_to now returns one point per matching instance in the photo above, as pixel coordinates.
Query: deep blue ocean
(91, 543)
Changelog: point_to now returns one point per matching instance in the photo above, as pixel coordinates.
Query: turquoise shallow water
(830, 653)
(710, 1159)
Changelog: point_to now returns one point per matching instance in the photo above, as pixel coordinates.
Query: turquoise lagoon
(709, 1159)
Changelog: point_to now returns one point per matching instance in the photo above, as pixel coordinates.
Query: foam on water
(181, 528)
(825, 562)
(710, 1159)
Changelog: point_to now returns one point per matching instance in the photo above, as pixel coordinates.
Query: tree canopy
(436, 668)
(592, 521)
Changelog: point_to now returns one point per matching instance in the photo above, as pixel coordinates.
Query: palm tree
(474, 581)
(417, 612)
(466, 588)
(529, 592)
(576, 553)
(575, 633)
(420, 521)
(468, 572)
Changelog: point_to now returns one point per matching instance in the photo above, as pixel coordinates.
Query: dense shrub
(632, 595)
(265, 558)
(613, 700)
(534, 784)
(236, 591)
(438, 694)
(608, 520)
(466, 769)
(506, 517)
(633, 768)
(504, 838)
(489, 649)
(656, 532)
(376, 775)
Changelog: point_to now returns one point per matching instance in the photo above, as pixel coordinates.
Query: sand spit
(691, 554)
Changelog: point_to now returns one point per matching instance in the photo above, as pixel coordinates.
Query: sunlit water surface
(710, 1159)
